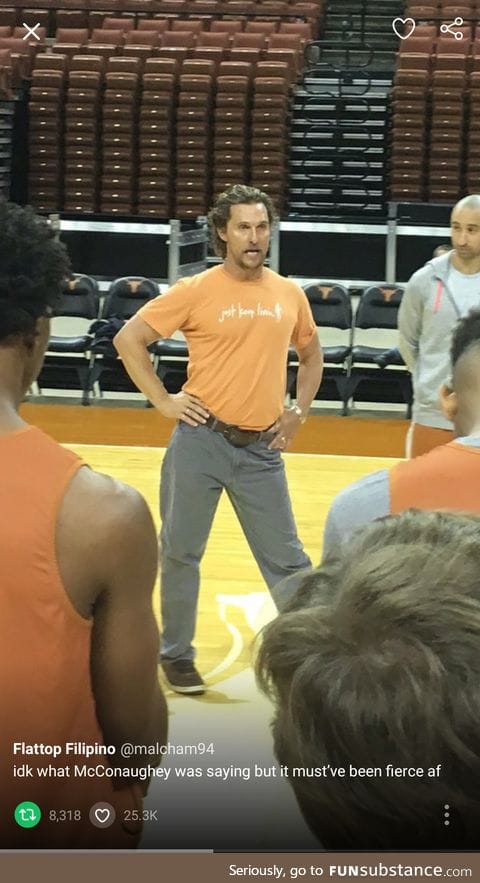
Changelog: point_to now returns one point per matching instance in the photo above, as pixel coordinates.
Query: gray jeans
(197, 466)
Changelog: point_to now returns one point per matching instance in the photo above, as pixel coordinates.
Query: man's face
(247, 235)
(465, 225)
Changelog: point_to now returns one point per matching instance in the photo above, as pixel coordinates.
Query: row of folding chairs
(350, 362)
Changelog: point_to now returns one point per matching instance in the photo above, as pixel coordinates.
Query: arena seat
(8, 17)
(211, 53)
(261, 27)
(156, 150)
(47, 61)
(270, 115)
(118, 24)
(302, 28)
(115, 36)
(71, 18)
(377, 312)
(79, 36)
(120, 121)
(244, 40)
(233, 100)
(69, 353)
(220, 39)
(332, 309)
(143, 38)
(226, 26)
(45, 146)
(153, 24)
(124, 298)
(179, 39)
(20, 32)
(82, 133)
(6, 80)
(422, 45)
(194, 26)
(195, 105)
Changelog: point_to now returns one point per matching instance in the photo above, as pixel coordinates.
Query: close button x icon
(31, 31)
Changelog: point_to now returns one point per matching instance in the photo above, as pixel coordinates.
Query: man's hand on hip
(285, 429)
(182, 406)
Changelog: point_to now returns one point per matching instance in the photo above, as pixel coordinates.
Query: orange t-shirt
(447, 477)
(45, 681)
(238, 334)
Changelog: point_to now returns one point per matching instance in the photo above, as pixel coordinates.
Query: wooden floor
(325, 434)
(234, 602)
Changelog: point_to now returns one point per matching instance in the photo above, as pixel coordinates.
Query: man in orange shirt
(78, 636)
(239, 319)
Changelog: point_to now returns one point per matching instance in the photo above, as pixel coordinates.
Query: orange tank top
(448, 477)
(45, 683)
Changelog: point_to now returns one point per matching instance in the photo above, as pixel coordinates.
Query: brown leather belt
(235, 436)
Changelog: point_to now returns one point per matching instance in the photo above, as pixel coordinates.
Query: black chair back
(378, 307)
(331, 305)
(126, 296)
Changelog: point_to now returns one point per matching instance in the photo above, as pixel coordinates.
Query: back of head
(441, 250)
(460, 396)
(465, 338)
(377, 662)
(33, 267)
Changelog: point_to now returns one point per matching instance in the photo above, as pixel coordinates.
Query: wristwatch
(298, 411)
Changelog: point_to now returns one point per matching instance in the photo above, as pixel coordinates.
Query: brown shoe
(182, 676)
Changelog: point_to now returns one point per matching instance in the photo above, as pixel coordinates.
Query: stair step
(370, 182)
(352, 154)
(325, 166)
(298, 209)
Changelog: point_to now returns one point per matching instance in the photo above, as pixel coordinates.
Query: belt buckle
(227, 434)
(234, 437)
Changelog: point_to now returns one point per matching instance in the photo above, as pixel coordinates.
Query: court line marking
(237, 643)
(287, 455)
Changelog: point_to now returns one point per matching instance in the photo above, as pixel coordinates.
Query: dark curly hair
(33, 268)
(218, 216)
(466, 334)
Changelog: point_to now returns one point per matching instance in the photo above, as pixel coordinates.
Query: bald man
(436, 297)
(448, 477)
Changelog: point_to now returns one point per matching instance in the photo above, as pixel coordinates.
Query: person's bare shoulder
(103, 526)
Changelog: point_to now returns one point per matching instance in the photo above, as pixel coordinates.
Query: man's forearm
(139, 367)
(309, 378)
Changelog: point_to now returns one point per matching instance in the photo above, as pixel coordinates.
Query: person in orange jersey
(447, 477)
(239, 319)
(78, 638)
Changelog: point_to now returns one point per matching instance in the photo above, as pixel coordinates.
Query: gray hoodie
(435, 298)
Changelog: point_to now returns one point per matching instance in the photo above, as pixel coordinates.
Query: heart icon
(408, 26)
(102, 815)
